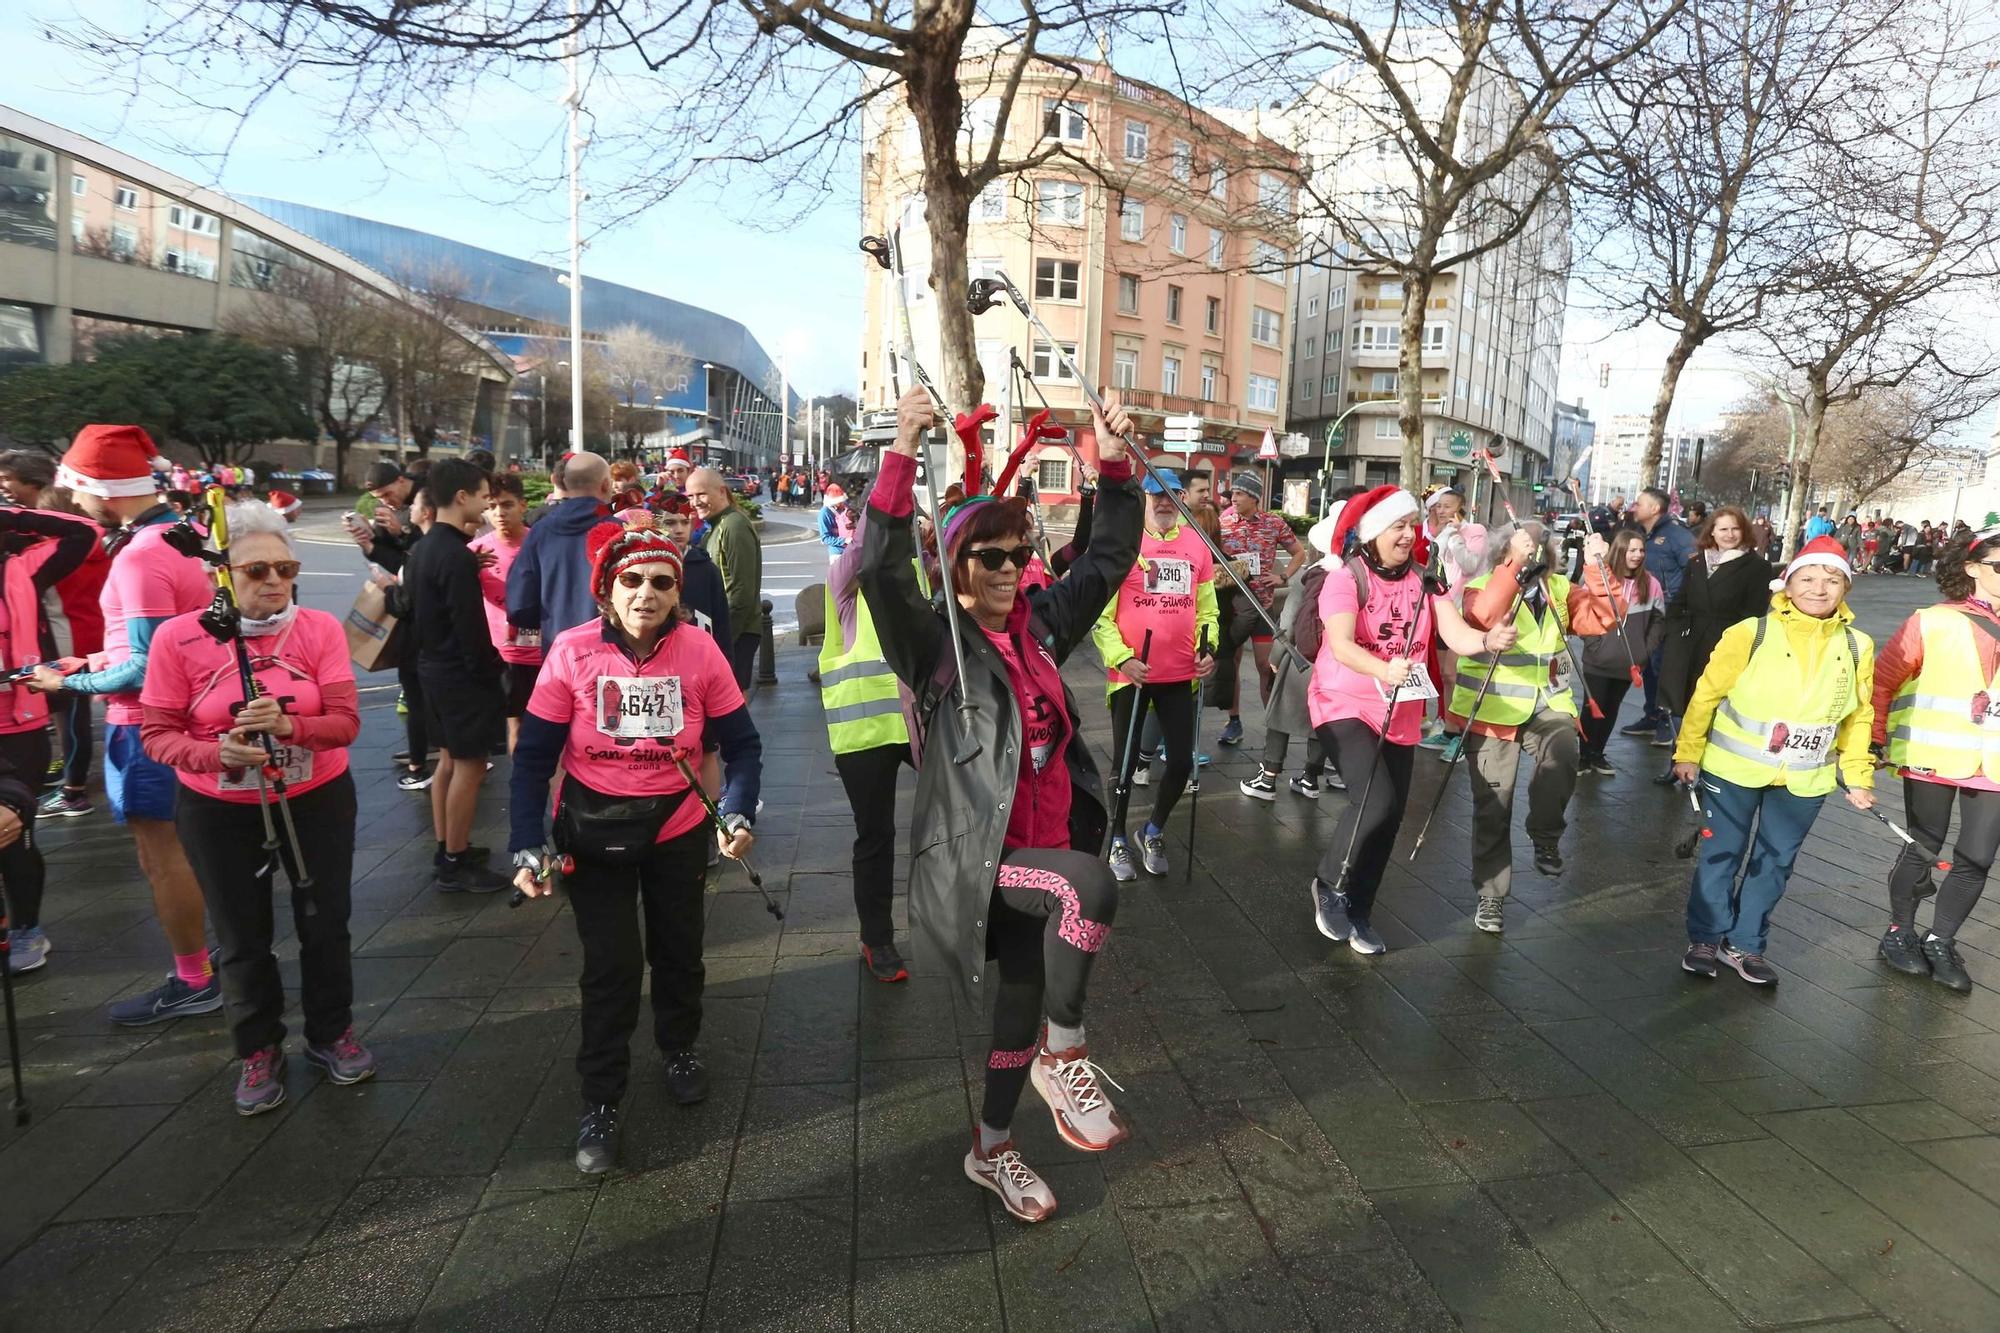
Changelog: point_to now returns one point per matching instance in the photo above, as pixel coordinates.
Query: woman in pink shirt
(196, 721)
(619, 700)
(1375, 640)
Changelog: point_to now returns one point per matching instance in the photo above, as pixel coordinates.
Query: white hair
(1500, 538)
(248, 517)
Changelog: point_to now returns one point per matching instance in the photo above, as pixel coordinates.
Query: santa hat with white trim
(116, 462)
(1370, 514)
(1819, 551)
(286, 503)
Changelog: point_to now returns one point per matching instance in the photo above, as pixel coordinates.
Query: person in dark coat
(1726, 581)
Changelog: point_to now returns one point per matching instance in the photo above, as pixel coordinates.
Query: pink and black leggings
(1050, 913)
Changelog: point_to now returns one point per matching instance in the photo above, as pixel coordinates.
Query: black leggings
(1051, 911)
(415, 729)
(77, 740)
(1609, 692)
(1357, 747)
(1174, 705)
(870, 779)
(26, 755)
(1929, 807)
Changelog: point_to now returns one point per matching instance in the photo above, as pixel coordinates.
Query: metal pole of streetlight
(574, 99)
(1326, 460)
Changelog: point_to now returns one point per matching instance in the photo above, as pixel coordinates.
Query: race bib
(632, 708)
(1559, 681)
(1802, 747)
(1253, 563)
(1417, 685)
(1171, 578)
(523, 638)
(294, 762)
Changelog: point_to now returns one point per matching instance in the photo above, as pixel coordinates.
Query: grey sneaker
(27, 950)
(344, 1059)
(1263, 787)
(1153, 853)
(1750, 966)
(1548, 856)
(1122, 868)
(1699, 959)
(1490, 917)
(1366, 939)
(1330, 911)
(261, 1085)
(597, 1139)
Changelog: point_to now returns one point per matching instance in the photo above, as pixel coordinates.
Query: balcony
(1148, 401)
(1390, 396)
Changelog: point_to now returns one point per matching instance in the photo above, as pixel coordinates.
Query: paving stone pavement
(1553, 1129)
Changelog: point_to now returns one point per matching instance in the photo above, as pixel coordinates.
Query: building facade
(1623, 449)
(1571, 453)
(1154, 244)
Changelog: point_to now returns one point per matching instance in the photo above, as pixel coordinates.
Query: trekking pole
(1897, 829)
(20, 1103)
(708, 804)
(1528, 575)
(1382, 739)
(1128, 757)
(1022, 374)
(1194, 797)
(1685, 847)
(888, 252)
(551, 866)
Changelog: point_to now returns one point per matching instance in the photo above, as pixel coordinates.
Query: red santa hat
(116, 462)
(286, 503)
(614, 548)
(1819, 551)
(835, 494)
(677, 458)
(1370, 514)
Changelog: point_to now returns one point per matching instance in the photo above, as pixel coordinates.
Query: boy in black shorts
(460, 669)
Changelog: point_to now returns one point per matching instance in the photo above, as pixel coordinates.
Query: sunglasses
(1990, 564)
(990, 558)
(660, 582)
(259, 570)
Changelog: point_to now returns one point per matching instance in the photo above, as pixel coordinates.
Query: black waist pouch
(616, 830)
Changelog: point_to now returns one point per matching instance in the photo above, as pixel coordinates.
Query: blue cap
(1173, 481)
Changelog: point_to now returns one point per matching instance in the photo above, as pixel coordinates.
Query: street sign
(1295, 445)
(1336, 436)
(1268, 450)
(1182, 435)
(1461, 444)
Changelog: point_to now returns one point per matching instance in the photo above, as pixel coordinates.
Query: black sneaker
(1947, 968)
(597, 1139)
(883, 962)
(458, 875)
(1645, 726)
(1548, 856)
(1602, 766)
(687, 1080)
(1901, 950)
(1263, 787)
(473, 855)
(414, 779)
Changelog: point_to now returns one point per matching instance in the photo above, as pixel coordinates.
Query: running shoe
(1263, 787)
(1947, 968)
(883, 962)
(1304, 787)
(1699, 959)
(1602, 767)
(1452, 748)
(1153, 851)
(67, 805)
(1330, 911)
(1491, 916)
(415, 779)
(473, 855)
(1663, 735)
(1232, 734)
(597, 1139)
(1142, 775)
(1751, 966)
(1645, 726)
(1084, 1116)
(1122, 868)
(1330, 780)
(1548, 856)
(1435, 740)
(687, 1078)
(344, 1059)
(261, 1085)
(172, 998)
(27, 950)
(1365, 939)
(457, 875)
(1201, 758)
(1902, 950)
(1022, 1193)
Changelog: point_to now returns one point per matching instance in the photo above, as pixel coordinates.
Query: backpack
(1307, 628)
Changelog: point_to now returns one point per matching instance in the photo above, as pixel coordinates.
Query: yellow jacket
(1809, 639)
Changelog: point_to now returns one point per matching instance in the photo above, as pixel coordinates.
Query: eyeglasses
(259, 570)
(990, 558)
(1990, 564)
(660, 582)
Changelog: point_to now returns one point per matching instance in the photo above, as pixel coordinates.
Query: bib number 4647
(639, 707)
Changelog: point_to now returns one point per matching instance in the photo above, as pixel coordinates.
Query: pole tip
(1944, 867)
(1708, 833)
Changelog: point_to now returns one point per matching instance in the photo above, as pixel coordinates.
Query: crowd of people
(605, 638)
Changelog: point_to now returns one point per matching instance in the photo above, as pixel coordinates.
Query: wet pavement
(1551, 1129)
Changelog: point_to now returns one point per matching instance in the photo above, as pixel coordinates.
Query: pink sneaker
(261, 1085)
(1022, 1193)
(1084, 1116)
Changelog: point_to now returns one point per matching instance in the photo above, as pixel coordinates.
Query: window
(1136, 135)
(1063, 120)
(1436, 337)
(1312, 348)
(1264, 325)
(1173, 304)
(76, 226)
(1125, 368)
(1048, 366)
(1207, 383)
(1459, 386)
(1128, 293)
(1274, 194)
(126, 198)
(1215, 244)
(1387, 428)
(983, 268)
(1382, 381)
(1312, 307)
(78, 185)
(1218, 182)
(175, 260)
(1060, 202)
(1132, 220)
(1270, 260)
(1374, 337)
(1213, 322)
(1052, 475)
(1465, 343)
(1332, 341)
(1177, 234)
(187, 219)
(1390, 290)
(1338, 298)
(1183, 161)
(982, 114)
(1056, 279)
(992, 203)
(1263, 393)
(124, 240)
(1170, 374)
(1330, 387)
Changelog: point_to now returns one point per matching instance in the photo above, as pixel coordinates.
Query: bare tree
(432, 370)
(638, 366)
(1438, 135)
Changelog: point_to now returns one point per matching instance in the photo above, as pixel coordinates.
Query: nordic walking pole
(708, 804)
(1528, 575)
(985, 293)
(1895, 828)
(1128, 758)
(888, 252)
(1201, 649)
(1381, 739)
(1022, 373)
(20, 1102)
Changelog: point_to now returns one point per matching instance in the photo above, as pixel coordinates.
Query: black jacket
(447, 624)
(1706, 605)
(702, 593)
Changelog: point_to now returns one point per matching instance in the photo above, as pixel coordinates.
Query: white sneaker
(1142, 775)
(1084, 1116)
(1022, 1193)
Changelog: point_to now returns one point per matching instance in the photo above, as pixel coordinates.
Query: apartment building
(1154, 245)
(1616, 470)
(1492, 323)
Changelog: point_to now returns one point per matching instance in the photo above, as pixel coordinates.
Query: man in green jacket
(732, 543)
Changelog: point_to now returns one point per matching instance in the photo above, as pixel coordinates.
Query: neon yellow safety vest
(1522, 681)
(1776, 725)
(864, 708)
(1946, 718)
